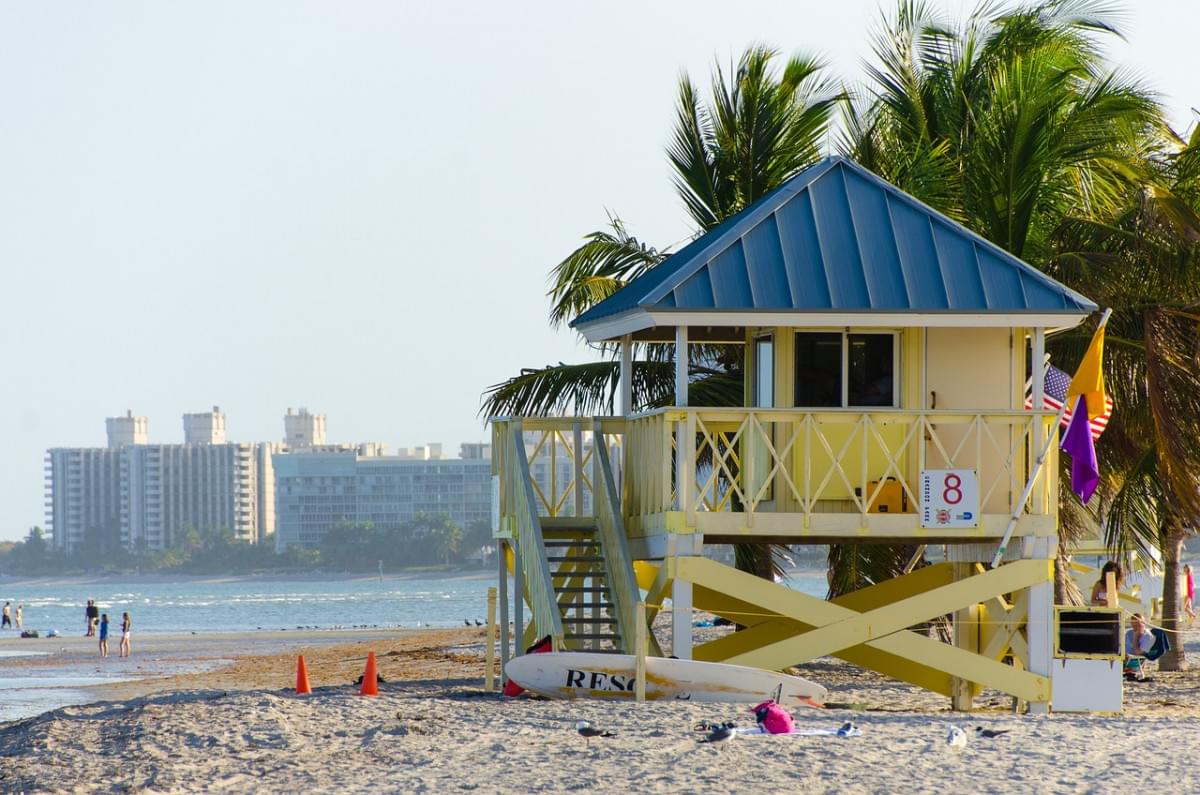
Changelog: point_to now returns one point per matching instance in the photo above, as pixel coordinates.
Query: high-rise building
(83, 497)
(174, 486)
(207, 427)
(475, 450)
(316, 492)
(303, 429)
(424, 452)
(127, 430)
(141, 496)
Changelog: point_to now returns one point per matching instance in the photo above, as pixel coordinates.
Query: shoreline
(433, 728)
(69, 670)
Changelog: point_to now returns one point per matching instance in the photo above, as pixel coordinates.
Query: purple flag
(1077, 442)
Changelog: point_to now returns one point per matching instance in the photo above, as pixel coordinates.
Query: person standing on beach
(18, 616)
(126, 628)
(1189, 604)
(6, 621)
(104, 635)
(92, 614)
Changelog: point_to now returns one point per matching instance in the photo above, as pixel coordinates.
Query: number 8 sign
(949, 498)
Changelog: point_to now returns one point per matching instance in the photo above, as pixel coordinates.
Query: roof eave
(614, 327)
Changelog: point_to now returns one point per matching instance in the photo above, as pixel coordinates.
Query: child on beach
(126, 627)
(104, 635)
(18, 616)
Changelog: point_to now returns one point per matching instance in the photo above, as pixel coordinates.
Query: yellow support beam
(763, 630)
(655, 592)
(1000, 624)
(912, 649)
(892, 665)
(855, 628)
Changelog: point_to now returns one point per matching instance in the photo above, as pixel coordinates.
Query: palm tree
(1145, 263)
(1012, 124)
(1008, 123)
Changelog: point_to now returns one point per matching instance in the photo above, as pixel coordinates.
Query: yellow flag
(1089, 378)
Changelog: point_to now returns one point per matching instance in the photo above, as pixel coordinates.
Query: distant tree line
(425, 541)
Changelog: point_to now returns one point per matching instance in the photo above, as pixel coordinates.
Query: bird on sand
(956, 737)
(466, 622)
(719, 734)
(587, 730)
(990, 733)
(478, 623)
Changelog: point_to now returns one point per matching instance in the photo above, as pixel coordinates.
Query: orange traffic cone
(302, 686)
(370, 683)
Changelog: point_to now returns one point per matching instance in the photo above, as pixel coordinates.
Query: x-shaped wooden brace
(868, 627)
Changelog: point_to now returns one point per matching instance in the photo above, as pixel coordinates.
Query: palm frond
(602, 265)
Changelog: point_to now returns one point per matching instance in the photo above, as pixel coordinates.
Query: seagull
(719, 734)
(467, 622)
(588, 731)
(990, 733)
(956, 738)
(478, 623)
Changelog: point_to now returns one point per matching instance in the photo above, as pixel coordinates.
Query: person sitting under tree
(1139, 640)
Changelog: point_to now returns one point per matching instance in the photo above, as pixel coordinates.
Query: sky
(352, 206)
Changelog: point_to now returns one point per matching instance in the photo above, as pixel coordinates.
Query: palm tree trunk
(1174, 660)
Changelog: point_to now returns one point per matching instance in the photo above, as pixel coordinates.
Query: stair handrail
(610, 525)
(531, 547)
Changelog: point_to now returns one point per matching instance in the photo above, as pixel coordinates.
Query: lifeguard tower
(887, 354)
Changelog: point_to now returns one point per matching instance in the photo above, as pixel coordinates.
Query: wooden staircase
(574, 572)
(581, 586)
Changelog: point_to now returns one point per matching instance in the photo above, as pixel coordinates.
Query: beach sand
(434, 729)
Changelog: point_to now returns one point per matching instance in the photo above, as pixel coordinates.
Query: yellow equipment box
(891, 498)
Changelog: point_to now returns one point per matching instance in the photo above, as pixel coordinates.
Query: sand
(434, 729)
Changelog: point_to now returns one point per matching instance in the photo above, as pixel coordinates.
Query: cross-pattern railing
(797, 461)
(561, 455)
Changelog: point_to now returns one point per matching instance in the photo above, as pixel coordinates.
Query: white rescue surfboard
(577, 674)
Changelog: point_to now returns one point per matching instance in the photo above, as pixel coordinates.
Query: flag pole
(1033, 476)
(1037, 468)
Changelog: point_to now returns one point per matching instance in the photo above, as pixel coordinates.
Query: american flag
(1055, 392)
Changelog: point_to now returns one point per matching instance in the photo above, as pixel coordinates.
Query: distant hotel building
(140, 496)
(317, 491)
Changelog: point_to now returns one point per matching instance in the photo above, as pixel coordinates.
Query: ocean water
(220, 605)
(214, 605)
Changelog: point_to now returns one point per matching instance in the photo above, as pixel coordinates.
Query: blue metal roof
(835, 238)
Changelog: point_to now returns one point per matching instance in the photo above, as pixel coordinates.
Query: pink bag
(773, 718)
